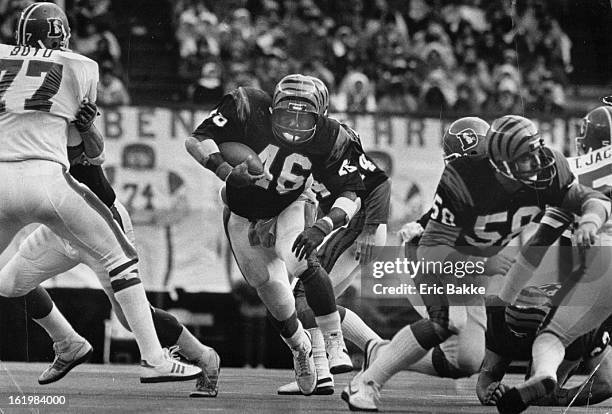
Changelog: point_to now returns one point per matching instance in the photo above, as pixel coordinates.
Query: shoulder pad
(345, 137)
(250, 100)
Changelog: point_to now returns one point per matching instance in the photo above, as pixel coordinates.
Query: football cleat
(361, 395)
(304, 366)
(69, 353)
(325, 386)
(207, 383)
(170, 369)
(339, 359)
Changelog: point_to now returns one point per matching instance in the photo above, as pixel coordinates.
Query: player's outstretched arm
(489, 387)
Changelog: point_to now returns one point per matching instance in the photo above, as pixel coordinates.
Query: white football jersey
(40, 93)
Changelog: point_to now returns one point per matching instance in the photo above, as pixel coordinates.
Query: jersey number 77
(41, 99)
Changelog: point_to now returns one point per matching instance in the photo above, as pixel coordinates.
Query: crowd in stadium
(384, 55)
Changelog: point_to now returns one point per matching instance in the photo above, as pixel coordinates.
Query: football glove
(85, 116)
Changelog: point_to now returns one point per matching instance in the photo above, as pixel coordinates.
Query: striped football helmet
(516, 150)
(296, 106)
(43, 25)
(595, 130)
(324, 94)
(465, 136)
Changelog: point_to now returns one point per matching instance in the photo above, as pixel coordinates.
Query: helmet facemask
(294, 125)
(535, 169)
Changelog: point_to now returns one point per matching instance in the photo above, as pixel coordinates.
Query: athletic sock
(135, 306)
(403, 351)
(318, 353)
(356, 330)
(329, 323)
(189, 346)
(297, 338)
(57, 327)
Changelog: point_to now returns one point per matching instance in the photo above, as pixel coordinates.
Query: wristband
(324, 224)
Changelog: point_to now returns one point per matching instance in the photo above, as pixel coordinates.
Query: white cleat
(361, 395)
(170, 369)
(207, 383)
(339, 358)
(304, 366)
(325, 386)
(69, 353)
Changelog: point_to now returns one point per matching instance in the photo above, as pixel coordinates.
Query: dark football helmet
(595, 130)
(296, 106)
(516, 150)
(43, 25)
(465, 136)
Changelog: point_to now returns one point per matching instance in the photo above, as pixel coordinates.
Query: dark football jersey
(469, 197)
(243, 116)
(93, 177)
(355, 157)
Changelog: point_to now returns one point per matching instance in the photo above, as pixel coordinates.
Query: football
(235, 153)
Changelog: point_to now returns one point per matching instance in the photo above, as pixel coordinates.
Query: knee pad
(446, 369)
(167, 327)
(429, 333)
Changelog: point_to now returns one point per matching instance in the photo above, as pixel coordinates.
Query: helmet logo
(296, 106)
(468, 139)
(56, 27)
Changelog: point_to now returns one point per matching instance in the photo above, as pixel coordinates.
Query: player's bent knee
(469, 363)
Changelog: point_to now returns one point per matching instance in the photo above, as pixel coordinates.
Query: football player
(511, 331)
(43, 85)
(585, 303)
(368, 228)
(268, 217)
(481, 203)
(43, 255)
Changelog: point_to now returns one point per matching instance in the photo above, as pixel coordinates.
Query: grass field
(115, 388)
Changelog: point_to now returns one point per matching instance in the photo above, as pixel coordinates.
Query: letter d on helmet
(516, 150)
(43, 25)
(296, 105)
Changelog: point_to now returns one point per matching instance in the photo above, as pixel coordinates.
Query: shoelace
(173, 352)
(303, 361)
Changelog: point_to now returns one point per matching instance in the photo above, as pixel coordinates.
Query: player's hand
(365, 243)
(307, 242)
(85, 116)
(410, 230)
(240, 176)
(493, 393)
(498, 265)
(586, 234)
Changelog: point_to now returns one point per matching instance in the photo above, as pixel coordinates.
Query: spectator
(111, 91)
(355, 94)
(549, 97)
(208, 89)
(506, 100)
(439, 92)
(467, 102)
(396, 100)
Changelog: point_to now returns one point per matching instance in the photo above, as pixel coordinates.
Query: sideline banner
(175, 206)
